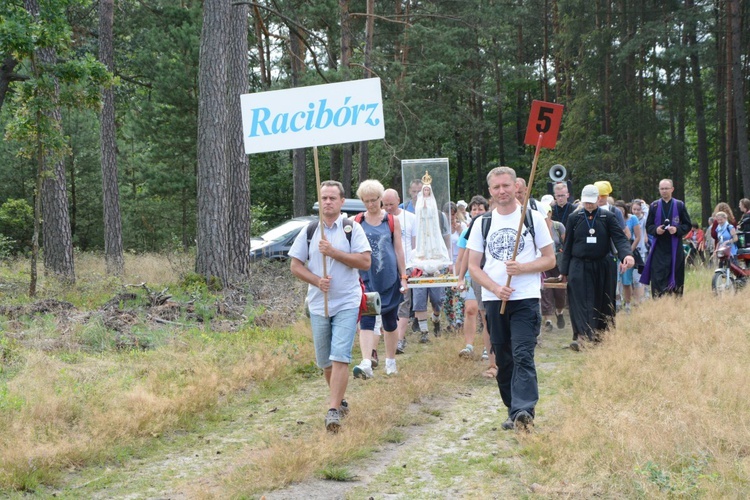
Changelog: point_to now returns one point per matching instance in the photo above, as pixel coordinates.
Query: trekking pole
(523, 210)
(322, 232)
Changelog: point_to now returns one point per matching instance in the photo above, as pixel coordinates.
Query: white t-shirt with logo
(501, 239)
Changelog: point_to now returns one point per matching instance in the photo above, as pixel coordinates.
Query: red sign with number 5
(544, 119)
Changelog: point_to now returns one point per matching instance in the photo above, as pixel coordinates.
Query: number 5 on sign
(544, 119)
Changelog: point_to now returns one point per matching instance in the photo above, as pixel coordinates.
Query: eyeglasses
(370, 202)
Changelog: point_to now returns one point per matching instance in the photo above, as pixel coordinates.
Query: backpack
(313, 225)
(388, 218)
(487, 222)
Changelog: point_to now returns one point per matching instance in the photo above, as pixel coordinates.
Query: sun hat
(604, 187)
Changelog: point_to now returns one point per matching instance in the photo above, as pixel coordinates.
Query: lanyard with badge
(591, 238)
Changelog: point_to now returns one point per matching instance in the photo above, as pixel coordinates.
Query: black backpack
(313, 225)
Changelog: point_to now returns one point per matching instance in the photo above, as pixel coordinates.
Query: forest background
(123, 114)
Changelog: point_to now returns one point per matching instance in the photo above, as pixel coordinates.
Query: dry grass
(661, 409)
(55, 414)
(292, 459)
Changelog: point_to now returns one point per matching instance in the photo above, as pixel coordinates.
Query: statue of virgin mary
(431, 253)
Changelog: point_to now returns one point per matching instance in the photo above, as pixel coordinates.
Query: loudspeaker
(557, 173)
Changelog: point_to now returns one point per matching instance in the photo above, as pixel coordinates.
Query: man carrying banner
(345, 254)
(513, 333)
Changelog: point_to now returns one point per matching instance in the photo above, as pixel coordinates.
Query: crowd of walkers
(593, 255)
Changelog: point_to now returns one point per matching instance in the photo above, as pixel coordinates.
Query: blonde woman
(387, 276)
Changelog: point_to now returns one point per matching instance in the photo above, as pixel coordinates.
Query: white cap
(590, 194)
(462, 203)
(547, 198)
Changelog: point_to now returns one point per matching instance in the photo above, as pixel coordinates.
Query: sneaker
(560, 321)
(343, 409)
(424, 338)
(400, 346)
(627, 308)
(485, 356)
(333, 420)
(508, 425)
(363, 372)
(374, 358)
(390, 369)
(548, 326)
(575, 346)
(523, 422)
(466, 352)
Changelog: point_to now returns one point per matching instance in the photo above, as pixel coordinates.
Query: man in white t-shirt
(408, 241)
(513, 333)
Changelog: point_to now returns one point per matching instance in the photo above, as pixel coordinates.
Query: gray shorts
(404, 310)
(420, 296)
(473, 292)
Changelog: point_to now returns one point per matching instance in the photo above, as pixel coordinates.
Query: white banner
(335, 113)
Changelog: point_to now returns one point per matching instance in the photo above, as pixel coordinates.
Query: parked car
(275, 243)
(352, 206)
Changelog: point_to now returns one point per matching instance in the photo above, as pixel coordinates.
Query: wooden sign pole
(523, 210)
(322, 226)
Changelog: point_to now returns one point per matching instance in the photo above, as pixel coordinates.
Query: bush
(7, 247)
(17, 224)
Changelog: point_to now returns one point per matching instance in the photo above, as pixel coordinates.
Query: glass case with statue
(427, 195)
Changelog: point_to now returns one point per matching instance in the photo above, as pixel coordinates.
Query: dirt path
(457, 449)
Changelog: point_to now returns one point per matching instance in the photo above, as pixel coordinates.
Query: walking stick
(523, 210)
(322, 232)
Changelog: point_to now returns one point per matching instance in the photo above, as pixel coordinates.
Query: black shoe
(523, 422)
(374, 358)
(575, 346)
(560, 321)
(436, 324)
(548, 326)
(508, 425)
(415, 325)
(424, 338)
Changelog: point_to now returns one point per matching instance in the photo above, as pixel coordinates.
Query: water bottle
(741, 240)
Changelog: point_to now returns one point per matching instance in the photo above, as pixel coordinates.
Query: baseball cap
(547, 198)
(590, 194)
(604, 187)
(462, 203)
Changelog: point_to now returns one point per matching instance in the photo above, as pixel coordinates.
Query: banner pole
(322, 227)
(523, 210)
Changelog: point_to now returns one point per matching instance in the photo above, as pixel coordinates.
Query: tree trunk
(7, 75)
(299, 158)
(237, 160)
(56, 234)
(335, 162)
(364, 149)
(264, 70)
(212, 249)
(729, 111)
(700, 120)
(113, 252)
(738, 96)
(346, 53)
